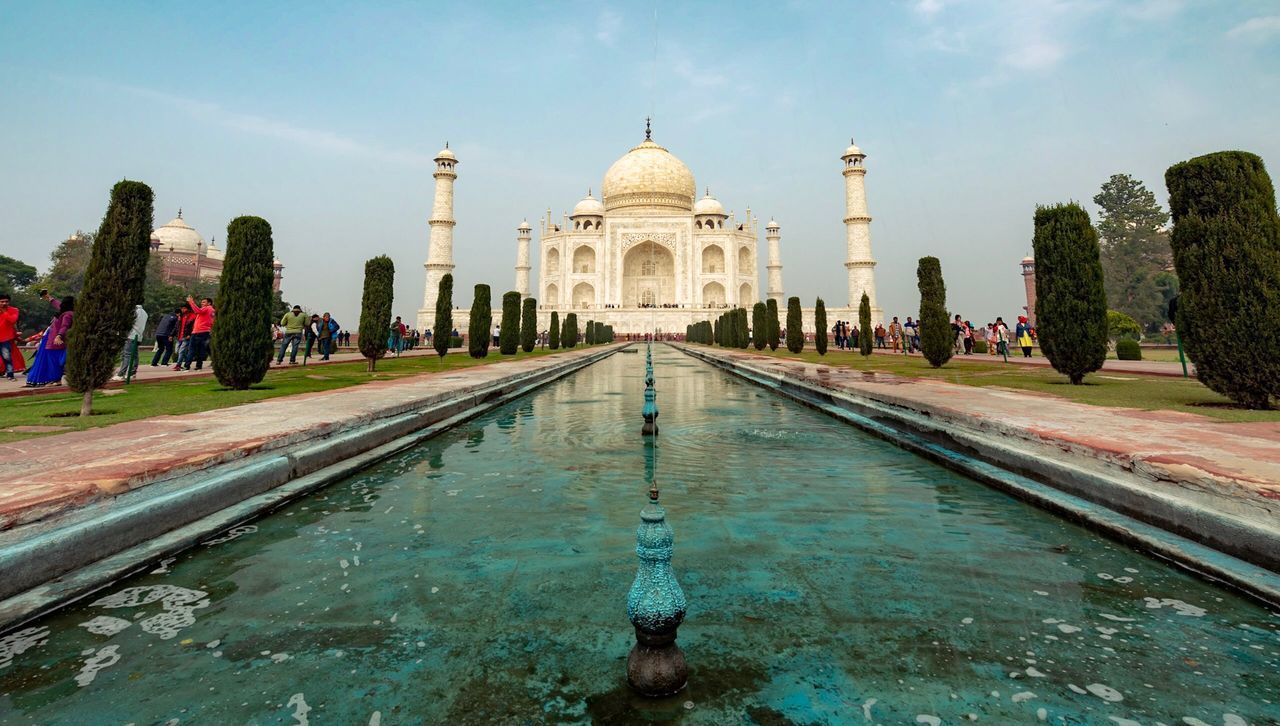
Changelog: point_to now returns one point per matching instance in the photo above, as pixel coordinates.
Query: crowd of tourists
(904, 337)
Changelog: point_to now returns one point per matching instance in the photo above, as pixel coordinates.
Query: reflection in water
(482, 576)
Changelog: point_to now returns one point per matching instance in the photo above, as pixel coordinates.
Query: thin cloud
(1256, 29)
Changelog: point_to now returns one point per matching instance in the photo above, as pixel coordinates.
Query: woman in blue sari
(51, 354)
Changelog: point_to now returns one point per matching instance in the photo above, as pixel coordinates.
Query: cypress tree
(481, 323)
(795, 329)
(241, 339)
(570, 335)
(113, 285)
(820, 327)
(443, 333)
(771, 317)
(529, 324)
(509, 332)
(1071, 304)
(589, 333)
(864, 325)
(1226, 250)
(937, 341)
(740, 328)
(553, 335)
(719, 331)
(375, 308)
(759, 328)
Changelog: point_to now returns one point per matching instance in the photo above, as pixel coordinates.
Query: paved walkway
(48, 475)
(1145, 367)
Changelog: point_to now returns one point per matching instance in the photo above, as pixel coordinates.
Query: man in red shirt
(9, 352)
(200, 331)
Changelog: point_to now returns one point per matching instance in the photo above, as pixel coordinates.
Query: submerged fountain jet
(650, 411)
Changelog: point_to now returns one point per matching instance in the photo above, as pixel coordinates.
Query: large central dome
(648, 176)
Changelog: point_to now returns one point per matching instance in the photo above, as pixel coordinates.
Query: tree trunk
(371, 365)
(86, 403)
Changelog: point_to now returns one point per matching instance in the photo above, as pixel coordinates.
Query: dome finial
(648, 129)
(446, 144)
(708, 191)
(179, 212)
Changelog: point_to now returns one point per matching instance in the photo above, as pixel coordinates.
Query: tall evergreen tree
(442, 336)
(759, 328)
(937, 341)
(570, 336)
(509, 330)
(481, 323)
(771, 317)
(589, 333)
(112, 287)
(740, 327)
(795, 329)
(1135, 248)
(241, 339)
(864, 325)
(1226, 249)
(529, 325)
(375, 308)
(553, 335)
(1071, 304)
(820, 327)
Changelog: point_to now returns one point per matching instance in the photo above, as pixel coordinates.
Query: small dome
(709, 205)
(853, 150)
(588, 207)
(524, 226)
(446, 154)
(1028, 260)
(773, 224)
(648, 176)
(213, 253)
(178, 236)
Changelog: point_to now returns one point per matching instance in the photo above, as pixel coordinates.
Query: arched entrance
(584, 296)
(553, 296)
(713, 294)
(584, 260)
(648, 275)
(712, 260)
(744, 295)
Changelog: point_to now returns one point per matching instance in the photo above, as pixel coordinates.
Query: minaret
(857, 223)
(440, 253)
(773, 233)
(1029, 281)
(522, 258)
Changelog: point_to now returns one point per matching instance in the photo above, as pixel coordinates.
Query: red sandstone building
(186, 257)
(1028, 279)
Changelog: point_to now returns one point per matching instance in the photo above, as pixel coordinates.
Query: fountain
(650, 411)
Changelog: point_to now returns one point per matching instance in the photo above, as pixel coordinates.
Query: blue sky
(323, 117)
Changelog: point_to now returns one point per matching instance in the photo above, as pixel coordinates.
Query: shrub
(1128, 349)
(1226, 251)
(553, 335)
(375, 308)
(937, 342)
(1071, 305)
(442, 336)
(1120, 325)
(509, 332)
(865, 336)
(771, 317)
(113, 285)
(759, 326)
(529, 324)
(795, 326)
(820, 327)
(979, 346)
(481, 323)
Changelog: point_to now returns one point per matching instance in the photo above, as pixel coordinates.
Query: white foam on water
(355, 561)
(280, 657)
(1042, 713)
(394, 616)
(928, 719)
(1023, 696)
(179, 605)
(1034, 673)
(105, 625)
(163, 569)
(1041, 593)
(1076, 689)
(1105, 576)
(1068, 628)
(1130, 569)
(1230, 719)
(19, 642)
(1125, 721)
(375, 719)
(1105, 692)
(213, 644)
(1117, 618)
(434, 590)
(1193, 721)
(233, 533)
(300, 709)
(1124, 580)
(104, 658)
(966, 621)
(1181, 607)
(866, 708)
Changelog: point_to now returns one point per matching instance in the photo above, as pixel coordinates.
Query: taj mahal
(649, 255)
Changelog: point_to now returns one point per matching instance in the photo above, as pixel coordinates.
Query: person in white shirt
(129, 356)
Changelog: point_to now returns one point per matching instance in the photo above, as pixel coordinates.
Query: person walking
(293, 322)
(186, 320)
(1023, 335)
(201, 330)
(968, 338)
(957, 332)
(895, 334)
(1002, 337)
(396, 341)
(51, 354)
(909, 338)
(324, 334)
(10, 353)
(166, 331)
(879, 335)
(129, 354)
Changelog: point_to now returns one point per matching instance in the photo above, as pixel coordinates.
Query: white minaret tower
(773, 233)
(440, 253)
(857, 223)
(522, 258)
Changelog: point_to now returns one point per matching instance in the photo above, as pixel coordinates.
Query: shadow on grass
(76, 414)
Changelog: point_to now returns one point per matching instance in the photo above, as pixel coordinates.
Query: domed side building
(186, 257)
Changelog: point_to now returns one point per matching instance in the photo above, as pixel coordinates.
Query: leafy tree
(1128, 349)
(375, 308)
(795, 329)
(937, 341)
(70, 263)
(509, 333)
(481, 323)
(529, 324)
(1226, 249)
(1071, 304)
(771, 317)
(864, 325)
(553, 341)
(759, 328)
(820, 327)
(15, 274)
(1135, 248)
(18, 279)
(570, 335)
(112, 287)
(1120, 326)
(241, 338)
(442, 335)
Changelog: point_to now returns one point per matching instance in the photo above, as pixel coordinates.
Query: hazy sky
(323, 118)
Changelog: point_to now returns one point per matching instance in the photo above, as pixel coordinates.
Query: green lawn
(1128, 390)
(186, 396)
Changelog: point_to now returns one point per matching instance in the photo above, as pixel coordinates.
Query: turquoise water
(482, 577)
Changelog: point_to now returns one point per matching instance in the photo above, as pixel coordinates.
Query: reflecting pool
(482, 576)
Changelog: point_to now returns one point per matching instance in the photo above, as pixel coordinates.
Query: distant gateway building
(649, 254)
(186, 258)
